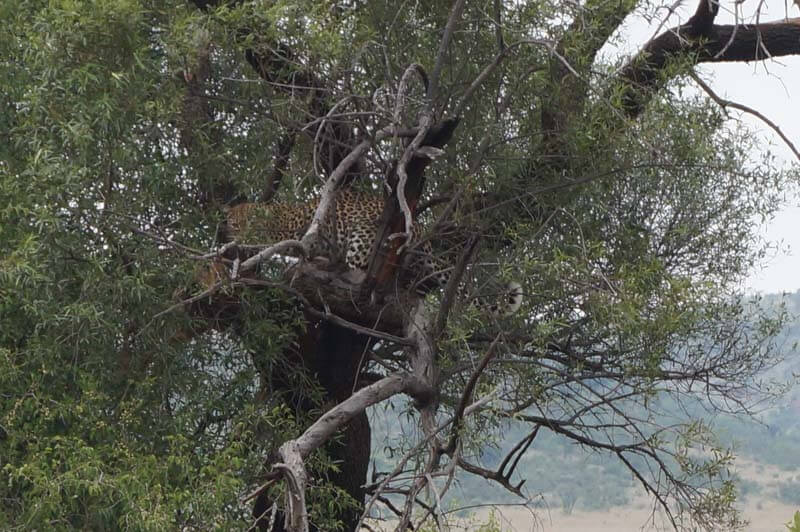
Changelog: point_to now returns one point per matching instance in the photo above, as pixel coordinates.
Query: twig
(458, 418)
(205, 293)
(272, 476)
(498, 59)
(745, 109)
(449, 29)
(322, 123)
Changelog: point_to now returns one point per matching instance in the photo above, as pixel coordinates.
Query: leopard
(348, 234)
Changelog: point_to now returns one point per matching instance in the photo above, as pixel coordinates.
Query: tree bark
(334, 355)
(575, 52)
(702, 41)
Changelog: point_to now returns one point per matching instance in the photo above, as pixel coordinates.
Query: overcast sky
(773, 88)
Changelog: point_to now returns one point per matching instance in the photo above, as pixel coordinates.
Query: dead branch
(327, 195)
(271, 251)
(426, 120)
(293, 452)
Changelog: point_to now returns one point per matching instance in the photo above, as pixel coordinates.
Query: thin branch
(268, 252)
(504, 52)
(401, 464)
(323, 121)
(449, 296)
(185, 302)
(496, 476)
(466, 395)
(745, 109)
(449, 29)
(272, 476)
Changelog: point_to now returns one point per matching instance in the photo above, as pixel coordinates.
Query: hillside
(565, 479)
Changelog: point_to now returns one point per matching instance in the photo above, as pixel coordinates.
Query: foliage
(794, 525)
(125, 127)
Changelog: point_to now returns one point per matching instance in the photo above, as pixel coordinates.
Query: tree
(137, 395)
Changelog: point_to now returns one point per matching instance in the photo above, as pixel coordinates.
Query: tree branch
(293, 452)
(701, 41)
(338, 416)
(570, 61)
(722, 102)
(449, 29)
(466, 395)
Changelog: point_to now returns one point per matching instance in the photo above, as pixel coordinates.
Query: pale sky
(772, 88)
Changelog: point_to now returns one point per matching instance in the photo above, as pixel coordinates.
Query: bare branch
(269, 252)
(333, 419)
(327, 195)
(425, 123)
(745, 109)
(294, 452)
(449, 296)
(294, 472)
(449, 29)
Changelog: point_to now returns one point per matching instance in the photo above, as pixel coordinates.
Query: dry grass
(763, 511)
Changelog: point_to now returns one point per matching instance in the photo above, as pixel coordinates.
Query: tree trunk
(334, 356)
